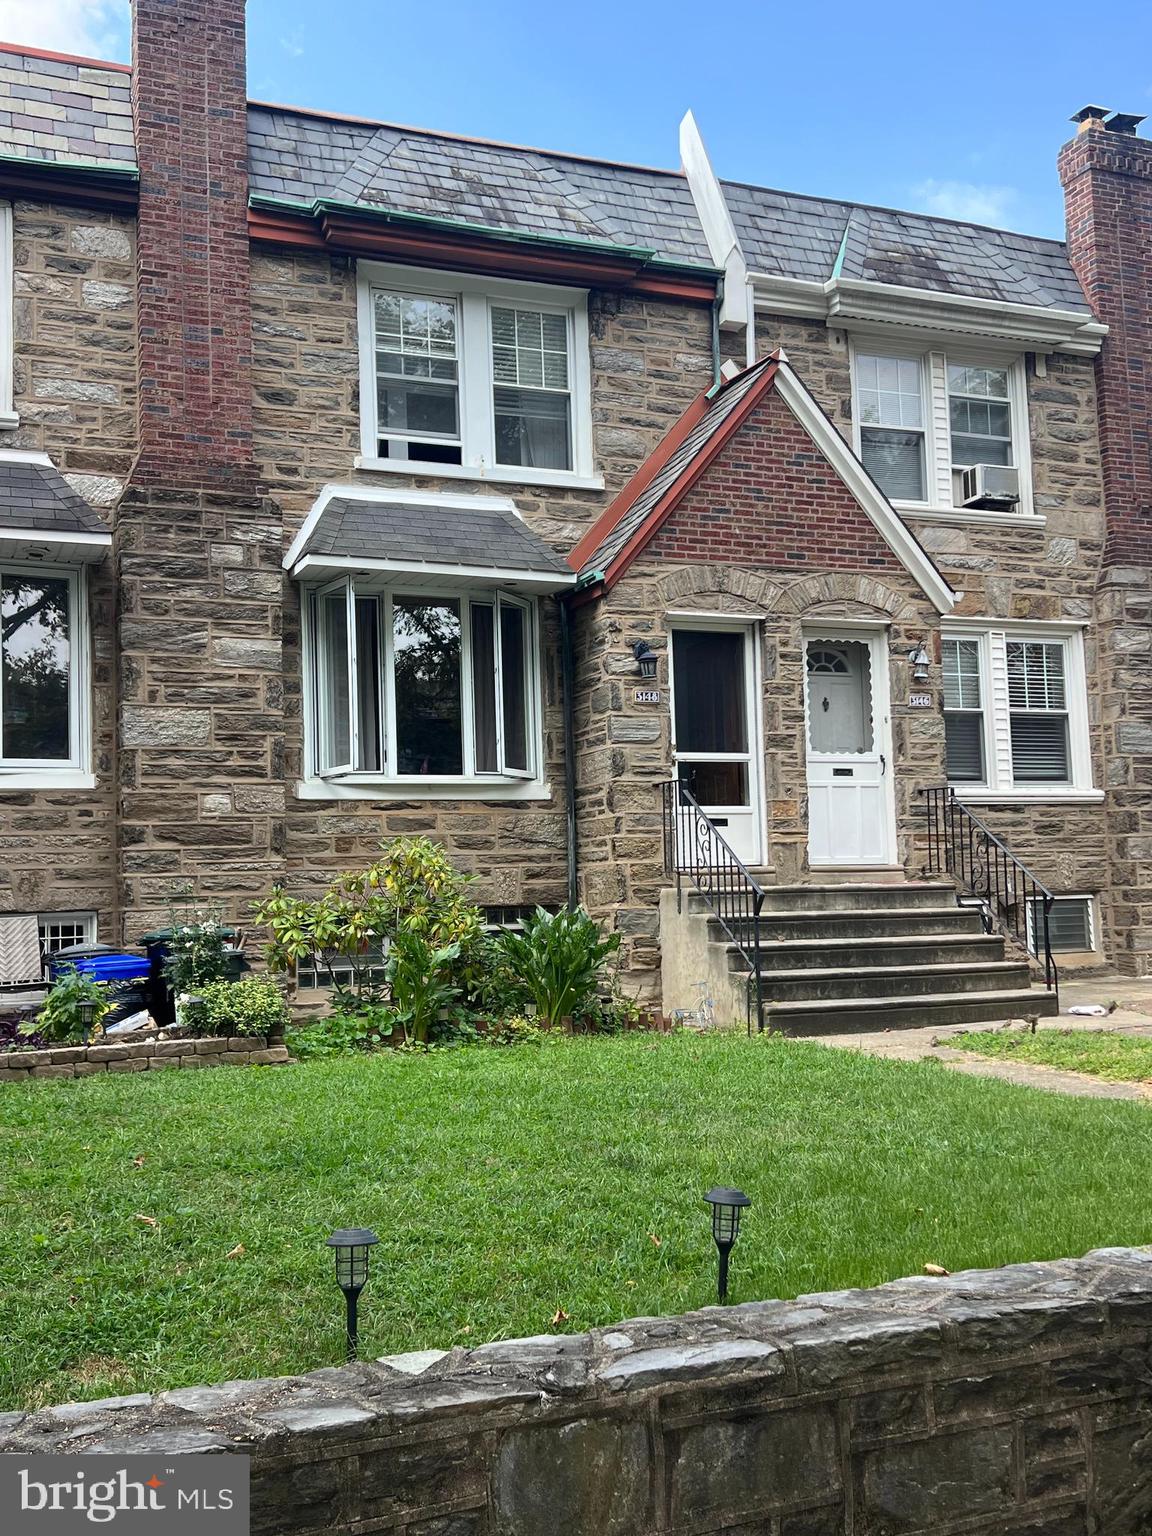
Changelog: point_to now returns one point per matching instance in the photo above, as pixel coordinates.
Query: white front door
(715, 730)
(850, 805)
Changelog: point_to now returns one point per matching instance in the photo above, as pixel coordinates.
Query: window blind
(963, 711)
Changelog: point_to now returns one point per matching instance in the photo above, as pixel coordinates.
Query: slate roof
(37, 496)
(786, 235)
(61, 110)
(719, 409)
(490, 540)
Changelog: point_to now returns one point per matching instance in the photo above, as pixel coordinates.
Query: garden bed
(150, 1055)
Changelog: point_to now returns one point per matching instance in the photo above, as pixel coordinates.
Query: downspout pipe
(567, 683)
(717, 302)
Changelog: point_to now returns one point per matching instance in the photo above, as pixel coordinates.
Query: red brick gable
(771, 499)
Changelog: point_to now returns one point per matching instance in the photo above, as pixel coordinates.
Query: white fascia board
(1018, 626)
(453, 501)
(856, 302)
(24, 456)
(489, 575)
(876, 505)
(716, 221)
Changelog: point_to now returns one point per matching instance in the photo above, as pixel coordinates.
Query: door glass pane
(37, 659)
(713, 784)
(335, 684)
(513, 658)
(839, 696)
(368, 699)
(711, 697)
(484, 686)
(426, 648)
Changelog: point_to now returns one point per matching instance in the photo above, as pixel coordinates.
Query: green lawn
(1120, 1058)
(508, 1185)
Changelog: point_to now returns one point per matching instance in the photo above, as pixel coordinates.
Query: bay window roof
(42, 517)
(431, 538)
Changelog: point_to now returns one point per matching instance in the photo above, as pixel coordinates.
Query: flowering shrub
(196, 955)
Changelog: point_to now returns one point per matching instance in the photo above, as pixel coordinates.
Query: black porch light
(352, 1245)
(645, 659)
(727, 1205)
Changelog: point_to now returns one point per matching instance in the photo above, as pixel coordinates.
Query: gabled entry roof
(710, 422)
(41, 515)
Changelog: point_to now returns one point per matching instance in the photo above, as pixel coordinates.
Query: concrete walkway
(1132, 1016)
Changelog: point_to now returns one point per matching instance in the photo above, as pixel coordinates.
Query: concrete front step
(864, 923)
(844, 1016)
(840, 898)
(894, 981)
(858, 954)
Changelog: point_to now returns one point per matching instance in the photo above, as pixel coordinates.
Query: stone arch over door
(844, 594)
(687, 583)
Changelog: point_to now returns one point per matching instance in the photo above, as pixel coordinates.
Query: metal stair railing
(1011, 897)
(695, 850)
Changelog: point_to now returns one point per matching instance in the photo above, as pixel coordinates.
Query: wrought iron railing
(1011, 897)
(695, 850)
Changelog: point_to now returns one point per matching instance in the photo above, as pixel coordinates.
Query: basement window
(60, 930)
(1071, 924)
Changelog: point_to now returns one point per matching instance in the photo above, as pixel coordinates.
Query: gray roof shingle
(718, 412)
(37, 497)
(422, 535)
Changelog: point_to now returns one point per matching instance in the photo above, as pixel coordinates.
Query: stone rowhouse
(1010, 1401)
(358, 407)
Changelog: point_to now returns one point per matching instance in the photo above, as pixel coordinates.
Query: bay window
(414, 686)
(1016, 712)
(40, 667)
(479, 377)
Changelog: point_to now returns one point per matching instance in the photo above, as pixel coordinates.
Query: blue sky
(952, 109)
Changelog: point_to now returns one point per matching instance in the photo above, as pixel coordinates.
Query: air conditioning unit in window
(990, 486)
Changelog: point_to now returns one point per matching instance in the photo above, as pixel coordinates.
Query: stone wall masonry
(140, 1056)
(1010, 1402)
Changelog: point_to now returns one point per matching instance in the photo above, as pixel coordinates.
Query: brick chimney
(1106, 171)
(197, 545)
(189, 104)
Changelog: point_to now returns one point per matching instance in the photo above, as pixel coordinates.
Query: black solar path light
(727, 1205)
(352, 1245)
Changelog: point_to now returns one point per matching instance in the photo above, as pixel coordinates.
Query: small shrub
(251, 1006)
(515, 1029)
(559, 957)
(341, 1033)
(196, 956)
(614, 1014)
(61, 1016)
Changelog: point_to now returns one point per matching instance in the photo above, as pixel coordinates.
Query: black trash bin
(161, 998)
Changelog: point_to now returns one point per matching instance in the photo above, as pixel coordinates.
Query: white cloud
(293, 44)
(94, 28)
(975, 202)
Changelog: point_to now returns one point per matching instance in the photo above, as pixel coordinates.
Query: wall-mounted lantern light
(352, 1245)
(727, 1204)
(920, 661)
(645, 659)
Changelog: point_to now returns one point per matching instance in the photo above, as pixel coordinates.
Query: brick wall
(1008, 1402)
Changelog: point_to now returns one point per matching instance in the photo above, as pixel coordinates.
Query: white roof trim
(543, 581)
(716, 221)
(871, 498)
(55, 536)
(24, 456)
(849, 302)
(452, 500)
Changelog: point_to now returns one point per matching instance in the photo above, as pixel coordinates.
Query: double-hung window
(1015, 712)
(40, 666)
(479, 377)
(412, 686)
(923, 417)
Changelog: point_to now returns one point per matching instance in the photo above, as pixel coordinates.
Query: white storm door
(850, 807)
(715, 730)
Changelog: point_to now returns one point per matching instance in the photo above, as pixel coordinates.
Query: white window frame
(474, 297)
(9, 417)
(74, 772)
(962, 785)
(352, 783)
(940, 500)
(1093, 924)
(83, 920)
(993, 637)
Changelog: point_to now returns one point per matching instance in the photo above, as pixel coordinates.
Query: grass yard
(164, 1229)
(1120, 1058)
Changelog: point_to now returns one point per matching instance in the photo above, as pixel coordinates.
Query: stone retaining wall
(1011, 1401)
(140, 1056)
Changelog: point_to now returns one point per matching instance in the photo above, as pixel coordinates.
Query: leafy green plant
(252, 1006)
(196, 955)
(340, 1033)
(419, 979)
(614, 1014)
(62, 1014)
(560, 958)
(411, 889)
(513, 1029)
